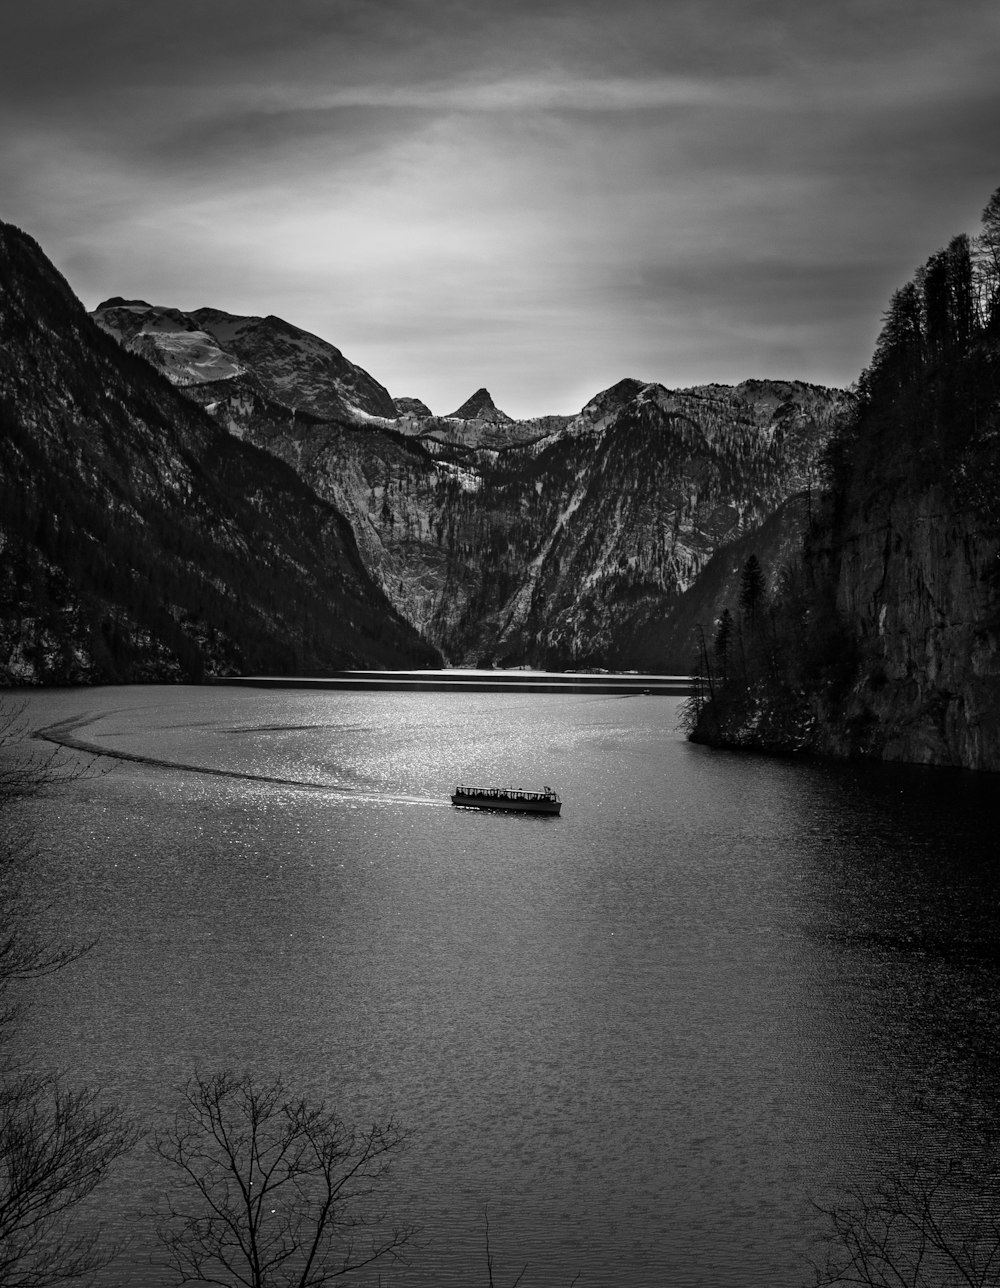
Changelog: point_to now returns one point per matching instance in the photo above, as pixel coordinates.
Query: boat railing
(508, 793)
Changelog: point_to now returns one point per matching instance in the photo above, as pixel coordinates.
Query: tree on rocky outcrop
(949, 309)
(753, 587)
(272, 1190)
(924, 430)
(723, 640)
(987, 262)
(899, 351)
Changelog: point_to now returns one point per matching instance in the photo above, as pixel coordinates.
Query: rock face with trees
(138, 539)
(561, 541)
(271, 507)
(885, 639)
(147, 536)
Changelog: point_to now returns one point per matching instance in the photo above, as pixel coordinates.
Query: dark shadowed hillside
(140, 540)
(886, 642)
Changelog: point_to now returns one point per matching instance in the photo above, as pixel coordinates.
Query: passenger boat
(508, 798)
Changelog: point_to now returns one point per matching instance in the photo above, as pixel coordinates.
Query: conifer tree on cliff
(752, 587)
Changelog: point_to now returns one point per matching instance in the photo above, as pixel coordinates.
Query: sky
(537, 196)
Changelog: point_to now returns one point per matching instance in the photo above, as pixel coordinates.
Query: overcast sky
(539, 196)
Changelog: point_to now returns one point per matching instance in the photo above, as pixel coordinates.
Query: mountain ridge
(291, 364)
(138, 539)
(554, 541)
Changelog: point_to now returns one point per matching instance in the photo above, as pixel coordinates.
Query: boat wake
(65, 733)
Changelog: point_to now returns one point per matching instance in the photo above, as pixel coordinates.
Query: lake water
(646, 1033)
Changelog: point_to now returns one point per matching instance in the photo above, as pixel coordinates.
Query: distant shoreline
(473, 681)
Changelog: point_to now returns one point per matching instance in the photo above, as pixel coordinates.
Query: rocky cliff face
(138, 539)
(557, 549)
(918, 579)
(551, 541)
(889, 647)
(291, 366)
(671, 638)
(886, 643)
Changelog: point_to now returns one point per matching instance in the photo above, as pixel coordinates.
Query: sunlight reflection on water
(644, 1032)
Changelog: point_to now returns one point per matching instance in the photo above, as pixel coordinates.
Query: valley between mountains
(563, 541)
(189, 494)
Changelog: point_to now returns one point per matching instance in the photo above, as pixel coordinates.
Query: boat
(518, 799)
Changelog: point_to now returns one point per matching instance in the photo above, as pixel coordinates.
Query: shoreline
(472, 681)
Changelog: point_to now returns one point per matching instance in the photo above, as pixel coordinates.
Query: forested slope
(886, 640)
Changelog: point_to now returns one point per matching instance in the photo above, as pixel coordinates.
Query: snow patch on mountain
(168, 339)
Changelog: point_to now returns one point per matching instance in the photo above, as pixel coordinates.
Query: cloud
(549, 194)
(524, 94)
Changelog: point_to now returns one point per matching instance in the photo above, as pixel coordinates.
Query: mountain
(481, 407)
(291, 365)
(669, 639)
(556, 549)
(557, 541)
(583, 537)
(140, 540)
(169, 340)
(412, 407)
(885, 640)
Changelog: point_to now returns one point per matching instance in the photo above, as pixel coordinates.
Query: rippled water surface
(646, 1033)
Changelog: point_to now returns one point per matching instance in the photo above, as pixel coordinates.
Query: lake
(646, 1033)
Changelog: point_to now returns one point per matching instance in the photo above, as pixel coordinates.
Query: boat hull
(507, 804)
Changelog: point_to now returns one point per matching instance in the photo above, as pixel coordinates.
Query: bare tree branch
(55, 1147)
(275, 1192)
(925, 1224)
(56, 1144)
(491, 1283)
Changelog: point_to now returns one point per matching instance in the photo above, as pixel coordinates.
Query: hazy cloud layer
(540, 197)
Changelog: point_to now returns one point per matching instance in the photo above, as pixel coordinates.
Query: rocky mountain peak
(480, 407)
(412, 407)
(165, 547)
(169, 339)
(116, 302)
(298, 369)
(614, 398)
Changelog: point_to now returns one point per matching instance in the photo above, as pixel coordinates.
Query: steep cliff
(918, 579)
(553, 541)
(138, 539)
(553, 551)
(670, 639)
(901, 566)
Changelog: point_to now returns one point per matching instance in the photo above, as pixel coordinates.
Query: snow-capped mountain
(169, 340)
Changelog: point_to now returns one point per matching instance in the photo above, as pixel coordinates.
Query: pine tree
(752, 588)
(723, 639)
